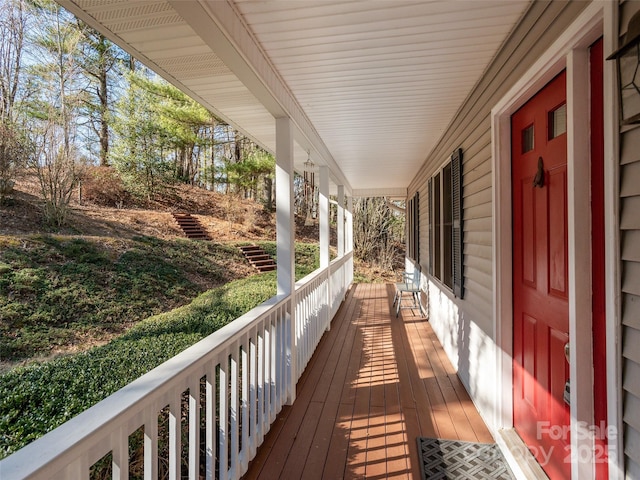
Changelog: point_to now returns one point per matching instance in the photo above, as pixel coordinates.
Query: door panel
(529, 360)
(557, 268)
(528, 257)
(540, 276)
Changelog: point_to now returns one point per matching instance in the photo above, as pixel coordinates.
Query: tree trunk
(12, 29)
(103, 95)
(268, 193)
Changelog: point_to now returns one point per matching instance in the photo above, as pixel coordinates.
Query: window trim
(449, 249)
(413, 227)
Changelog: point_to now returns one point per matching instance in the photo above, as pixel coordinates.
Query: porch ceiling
(371, 85)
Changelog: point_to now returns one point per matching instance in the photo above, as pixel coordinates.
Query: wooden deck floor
(375, 383)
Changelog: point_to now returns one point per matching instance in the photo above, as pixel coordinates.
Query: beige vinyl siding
(471, 130)
(631, 383)
(630, 281)
(630, 254)
(469, 332)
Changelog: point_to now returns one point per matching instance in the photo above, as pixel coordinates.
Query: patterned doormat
(454, 460)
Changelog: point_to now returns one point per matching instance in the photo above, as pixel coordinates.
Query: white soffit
(153, 32)
(379, 80)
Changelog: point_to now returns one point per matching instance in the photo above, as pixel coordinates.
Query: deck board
(374, 384)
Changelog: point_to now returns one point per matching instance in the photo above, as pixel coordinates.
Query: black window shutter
(409, 216)
(430, 201)
(416, 224)
(457, 254)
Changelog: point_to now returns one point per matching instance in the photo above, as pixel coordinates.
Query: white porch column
(324, 216)
(349, 247)
(323, 209)
(285, 236)
(340, 220)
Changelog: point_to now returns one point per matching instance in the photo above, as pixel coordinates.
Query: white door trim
(612, 246)
(569, 51)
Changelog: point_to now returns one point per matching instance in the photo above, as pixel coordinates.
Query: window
(557, 122)
(437, 224)
(444, 191)
(413, 227)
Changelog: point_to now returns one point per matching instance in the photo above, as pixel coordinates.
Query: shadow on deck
(374, 384)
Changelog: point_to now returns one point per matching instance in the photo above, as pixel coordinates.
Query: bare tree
(57, 170)
(13, 20)
(57, 78)
(13, 158)
(377, 232)
(55, 109)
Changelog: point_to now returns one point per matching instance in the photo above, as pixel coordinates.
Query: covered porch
(376, 95)
(368, 384)
(374, 384)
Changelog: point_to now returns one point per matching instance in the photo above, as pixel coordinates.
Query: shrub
(57, 167)
(103, 186)
(13, 157)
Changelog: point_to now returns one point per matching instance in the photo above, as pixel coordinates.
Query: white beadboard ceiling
(371, 85)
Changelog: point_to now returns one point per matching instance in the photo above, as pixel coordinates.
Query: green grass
(307, 256)
(39, 397)
(59, 291)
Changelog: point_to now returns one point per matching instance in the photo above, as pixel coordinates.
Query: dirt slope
(226, 217)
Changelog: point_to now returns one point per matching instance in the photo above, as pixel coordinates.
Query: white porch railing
(314, 310)
(214, 402)
(340, 279)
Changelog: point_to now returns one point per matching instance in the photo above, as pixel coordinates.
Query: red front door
(540, 277)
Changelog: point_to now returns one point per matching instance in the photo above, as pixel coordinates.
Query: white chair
(410, 284)
(407, 277)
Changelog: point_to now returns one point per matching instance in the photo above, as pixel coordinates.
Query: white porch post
(323, 209)
(324, 216)
(285, 235)
(349, 247)
(340, 220)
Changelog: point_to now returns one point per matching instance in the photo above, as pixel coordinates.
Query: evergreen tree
(138, 154)
(98, 58)
(184, 123)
